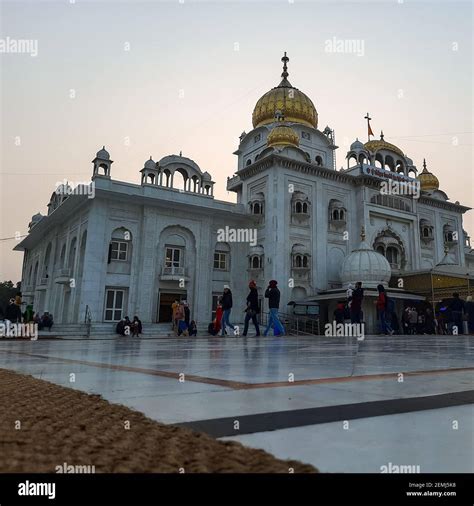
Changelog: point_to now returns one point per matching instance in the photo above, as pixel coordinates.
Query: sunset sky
(156, 78)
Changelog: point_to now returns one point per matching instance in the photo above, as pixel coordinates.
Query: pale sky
(193, 73)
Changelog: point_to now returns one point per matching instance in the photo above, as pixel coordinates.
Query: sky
(153, 78)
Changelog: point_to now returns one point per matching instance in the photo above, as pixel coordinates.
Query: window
(118, 250)
(298, 208)
(114, 301)
(392, 256)
(306, 135)
(255, 262)
(220, 261)
(173, 257)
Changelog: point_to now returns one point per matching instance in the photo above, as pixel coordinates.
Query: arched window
(120, 245)
(72, 253)
(256, 208)
(305, 261)
(248, 162)
(305, 208)
(319, 161)
(255, 262)
(298, 207)
(392, 255)
(380, 249)
(335, 214)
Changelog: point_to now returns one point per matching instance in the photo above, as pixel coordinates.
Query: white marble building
(135, 247)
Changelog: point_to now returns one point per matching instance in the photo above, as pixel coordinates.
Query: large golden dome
(293, 103)
(283, 135)
(428, 181)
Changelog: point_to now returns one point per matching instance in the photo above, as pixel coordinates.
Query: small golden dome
(293, 103)
(428, 181)
(283, 135)
(375, 145)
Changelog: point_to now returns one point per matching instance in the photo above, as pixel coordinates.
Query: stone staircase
(107, 331)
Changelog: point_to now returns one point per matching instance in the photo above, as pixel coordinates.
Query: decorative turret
(102, 161)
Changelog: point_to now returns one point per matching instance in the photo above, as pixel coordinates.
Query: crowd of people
(125, 327)
(221, 325)
(449, 317)
(14, 314)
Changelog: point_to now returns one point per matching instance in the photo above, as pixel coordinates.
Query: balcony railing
(62, 276)
(173, 272)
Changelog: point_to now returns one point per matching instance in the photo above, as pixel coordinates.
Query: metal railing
(295, 324)
(173, 271)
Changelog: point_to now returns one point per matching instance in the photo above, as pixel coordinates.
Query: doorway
(165, 312)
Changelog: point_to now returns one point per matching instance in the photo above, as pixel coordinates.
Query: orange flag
(370, 130)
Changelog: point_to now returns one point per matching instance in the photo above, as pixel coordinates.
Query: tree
(7, 291)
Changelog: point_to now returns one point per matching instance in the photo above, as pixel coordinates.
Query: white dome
(150, 164)
(103, 154)
(365, 265)
(357, 145)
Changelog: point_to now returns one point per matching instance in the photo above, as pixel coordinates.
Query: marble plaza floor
(337, 403)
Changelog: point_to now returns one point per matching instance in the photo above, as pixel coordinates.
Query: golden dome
(375, 145)
(428, 181)
(283, 135)
(293, 103)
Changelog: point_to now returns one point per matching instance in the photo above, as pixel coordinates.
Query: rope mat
(43, 425)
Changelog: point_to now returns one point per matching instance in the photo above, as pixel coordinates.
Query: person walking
(252, 309)
(382, 313)
(469, 308)
(413, 318)
(356, 303)
(457, 308)
(174, 309)
(226, 308)
(187, 312)
(273, 295)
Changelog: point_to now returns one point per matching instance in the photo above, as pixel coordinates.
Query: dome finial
(362, 233)
(285, 60)
(424, 165)
(381, 135)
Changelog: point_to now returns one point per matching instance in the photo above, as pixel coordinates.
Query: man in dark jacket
(13, 312)
(356, 303)
(273, 295)
(457, 308)
(252, 309)
(226, 308)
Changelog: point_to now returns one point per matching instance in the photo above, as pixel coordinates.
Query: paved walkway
(320, 400)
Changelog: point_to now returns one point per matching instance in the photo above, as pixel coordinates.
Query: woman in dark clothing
(187, 313)
(226, 308)
(457, 308)
(136, 326)
(252, 309)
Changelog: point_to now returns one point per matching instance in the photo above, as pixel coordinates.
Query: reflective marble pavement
(338, 403)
